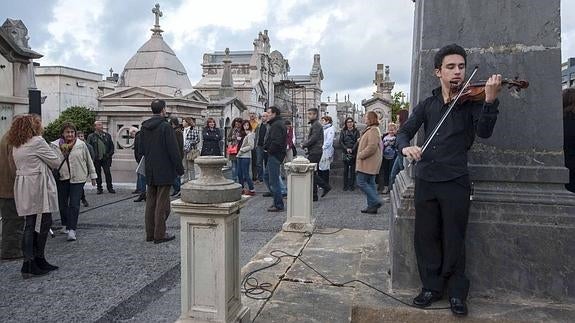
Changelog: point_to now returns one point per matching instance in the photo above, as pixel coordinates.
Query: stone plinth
(211, 186)
(300, 196)
(522, 221)
(210, 237)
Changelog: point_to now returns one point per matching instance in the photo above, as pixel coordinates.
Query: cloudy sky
(351, 36)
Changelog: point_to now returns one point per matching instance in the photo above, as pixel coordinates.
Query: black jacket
(314, 143)
(275, 142)
(137, 149)
(159, 146)
(92, 140)
(211, 142)
(180, 139)
(348, 139)
(445, 158)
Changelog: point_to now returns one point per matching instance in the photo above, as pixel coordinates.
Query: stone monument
(381, 100)
(300, 196)
(210, 237)
(521, 229)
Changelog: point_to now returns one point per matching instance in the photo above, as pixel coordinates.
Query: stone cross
(156, 10)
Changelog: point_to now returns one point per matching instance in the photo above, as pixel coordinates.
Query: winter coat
(7, 170)
(92, 140)
(314, 141)
(275, 143)
(35, 189)
(180, 139)
(137, 148)
(369, 151)
(261, 134)
(245, 150)
(81, 164)
(211, 142)
(159, 146)
(348, 139)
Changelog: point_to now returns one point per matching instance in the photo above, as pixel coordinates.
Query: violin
(475, 91)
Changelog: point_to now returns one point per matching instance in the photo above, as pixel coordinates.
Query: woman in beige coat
(34, 190)
(77, 168)
(368, 162)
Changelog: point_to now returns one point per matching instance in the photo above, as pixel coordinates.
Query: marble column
(522, 221)
(300, 216)
(210, 239)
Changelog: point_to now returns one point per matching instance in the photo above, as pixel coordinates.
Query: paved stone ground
(112, 274)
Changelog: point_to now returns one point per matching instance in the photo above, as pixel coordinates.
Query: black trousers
(384, 174)
(105, 165)
(441, 215)
(349, 174)
(34, 243)
(317, 180)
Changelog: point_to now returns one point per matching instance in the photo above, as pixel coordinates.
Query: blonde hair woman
(369, 161)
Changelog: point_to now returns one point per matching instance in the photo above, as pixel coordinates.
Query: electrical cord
(253, 289)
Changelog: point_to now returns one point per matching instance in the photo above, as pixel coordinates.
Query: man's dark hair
(313, 110)
(158, 105)
(452, 49)
(275, 110)
(174, 121)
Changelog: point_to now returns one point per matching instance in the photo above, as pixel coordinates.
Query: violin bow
(442, 120)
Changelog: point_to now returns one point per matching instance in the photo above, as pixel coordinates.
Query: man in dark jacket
(163, 164)
(103, 146)
(314, 146)
(175, 123)
(275, 147)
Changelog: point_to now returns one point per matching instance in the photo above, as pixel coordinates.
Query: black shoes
(111, 191)
(31, 269)
(44, 265)
(458, 306)
(274, 209)
(100, 191)
(267, 194)
(85, 203)
(141, 198)
(426, 298)
(136, 192)
(166, 239)
(370, 210)
(325, 191)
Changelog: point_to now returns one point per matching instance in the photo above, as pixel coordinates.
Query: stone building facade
(381, 100)
(16, 71)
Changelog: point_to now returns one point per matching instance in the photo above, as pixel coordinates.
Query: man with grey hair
(103, 146)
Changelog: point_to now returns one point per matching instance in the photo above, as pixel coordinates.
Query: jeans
(395, 169)
(235, 169)
(273, 168)
(177, 184)
(317, 180)
(190, 171)
(366, 183)
(34, 243)
(244, 173)
(69, 196)
(105, 165)
(266, 179)
(141, 183)
(260, 163)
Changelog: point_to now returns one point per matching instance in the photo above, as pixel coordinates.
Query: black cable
(105, 204)
(253, 289)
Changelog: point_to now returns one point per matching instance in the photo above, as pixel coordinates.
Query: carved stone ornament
(300, 165)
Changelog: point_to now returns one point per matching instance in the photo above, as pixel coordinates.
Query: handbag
(56, 172)
(232, 150)
(192, 154)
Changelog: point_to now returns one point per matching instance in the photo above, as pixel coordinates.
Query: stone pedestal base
(210, 236)
(300, 196)
(519, 240)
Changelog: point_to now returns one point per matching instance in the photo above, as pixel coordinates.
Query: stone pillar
(210, 237)
(300, 196)
(522, 221)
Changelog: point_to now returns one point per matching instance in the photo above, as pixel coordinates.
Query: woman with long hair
(35, 191)
(244, 158)
(234, 142)
(211, 137)
(76, 169)
(348, 140)
(368, 162)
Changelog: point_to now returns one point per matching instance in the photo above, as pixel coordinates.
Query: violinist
(442, 186)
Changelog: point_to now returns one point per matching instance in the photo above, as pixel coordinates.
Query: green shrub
(82, 117)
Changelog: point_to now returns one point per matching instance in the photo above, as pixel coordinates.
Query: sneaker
(71, 235)
(63, 231)
(250, 192)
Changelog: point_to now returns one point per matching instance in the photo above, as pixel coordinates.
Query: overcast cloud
(351, 36)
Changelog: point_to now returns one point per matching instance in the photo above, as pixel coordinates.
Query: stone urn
(211, 187)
